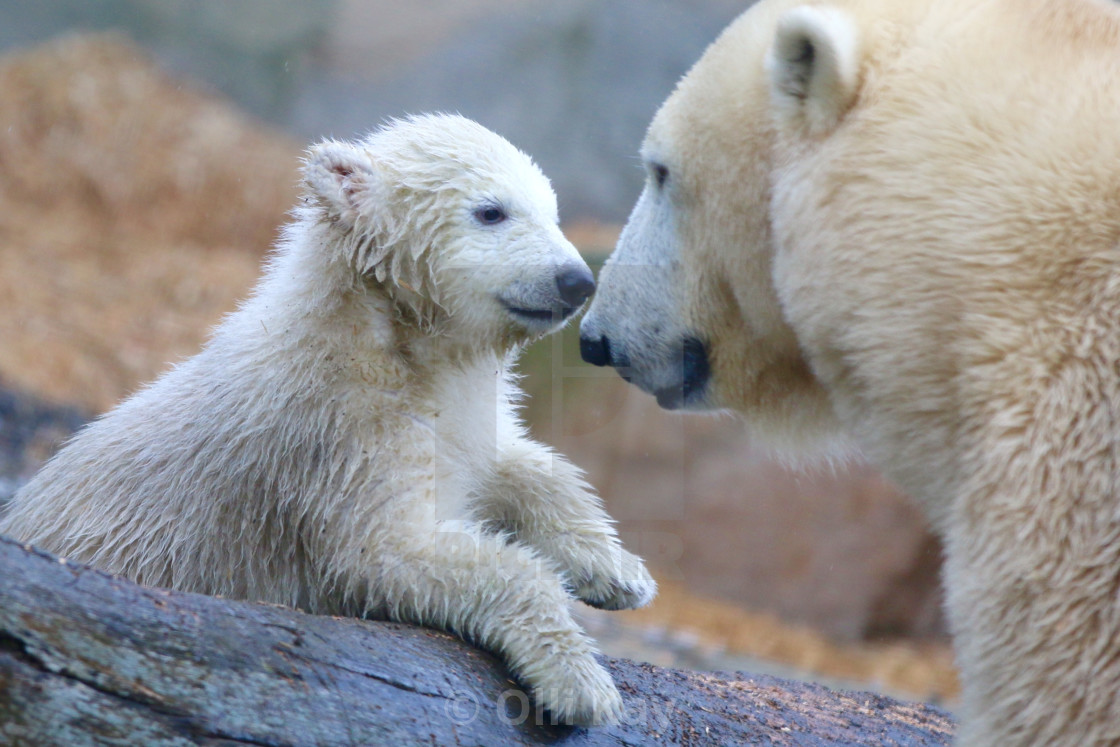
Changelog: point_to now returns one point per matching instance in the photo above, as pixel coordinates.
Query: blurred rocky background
(148, 151)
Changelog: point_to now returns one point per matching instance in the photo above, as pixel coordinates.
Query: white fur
(347, 442)
(938, 276)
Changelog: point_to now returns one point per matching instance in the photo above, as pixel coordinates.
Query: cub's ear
(341, 177)
(814, 68)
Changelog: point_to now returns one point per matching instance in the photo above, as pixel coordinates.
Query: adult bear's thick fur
(900, 220)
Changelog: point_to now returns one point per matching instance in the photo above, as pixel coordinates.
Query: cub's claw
(627, 587)
(579, 692)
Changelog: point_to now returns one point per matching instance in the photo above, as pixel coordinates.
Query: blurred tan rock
(120, 189)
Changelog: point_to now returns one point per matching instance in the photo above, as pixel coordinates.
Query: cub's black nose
(575, 284)
(595, 350)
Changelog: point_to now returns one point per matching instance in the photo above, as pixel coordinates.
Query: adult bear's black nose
(595, 350)
(575, 284)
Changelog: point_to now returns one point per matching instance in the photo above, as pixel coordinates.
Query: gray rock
(254, 51)
(30, 432)
(574, 84)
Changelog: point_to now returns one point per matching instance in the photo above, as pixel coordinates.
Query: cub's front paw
(579, 692)
(627, 585)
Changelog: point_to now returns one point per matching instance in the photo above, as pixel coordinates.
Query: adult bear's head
(874, 200)
(686, 308)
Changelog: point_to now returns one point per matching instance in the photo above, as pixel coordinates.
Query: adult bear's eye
(488, 215)
(660, 174)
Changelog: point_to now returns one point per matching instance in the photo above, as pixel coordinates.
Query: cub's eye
(488, 215)
(660, 174)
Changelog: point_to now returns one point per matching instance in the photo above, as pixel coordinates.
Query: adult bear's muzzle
(595, 350)
(677, 379)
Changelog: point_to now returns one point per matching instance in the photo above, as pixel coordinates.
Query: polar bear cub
(347, 441)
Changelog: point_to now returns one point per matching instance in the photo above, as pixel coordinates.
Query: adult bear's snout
(595, 350)
(575, 284)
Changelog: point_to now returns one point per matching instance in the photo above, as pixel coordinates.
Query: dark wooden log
(87, 658)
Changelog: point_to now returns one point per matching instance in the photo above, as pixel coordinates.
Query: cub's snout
(575, 285)
(550, 298)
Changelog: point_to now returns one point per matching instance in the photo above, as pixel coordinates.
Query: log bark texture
(91, 659)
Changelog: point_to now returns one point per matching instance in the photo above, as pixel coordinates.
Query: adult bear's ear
(814, 68)
(341, 178)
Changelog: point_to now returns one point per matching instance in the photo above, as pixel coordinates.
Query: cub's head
(454, 224)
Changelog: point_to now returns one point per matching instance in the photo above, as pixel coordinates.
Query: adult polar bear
(347, 441)
(902, 220)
